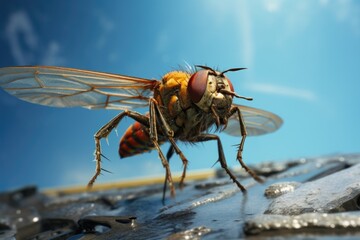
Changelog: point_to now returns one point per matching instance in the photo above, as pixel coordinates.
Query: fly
(183, 106)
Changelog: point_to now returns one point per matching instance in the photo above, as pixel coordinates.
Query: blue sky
(302, 58)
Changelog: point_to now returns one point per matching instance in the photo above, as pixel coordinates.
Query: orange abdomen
(135, 140)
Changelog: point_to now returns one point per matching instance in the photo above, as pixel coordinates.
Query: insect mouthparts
(224, 91)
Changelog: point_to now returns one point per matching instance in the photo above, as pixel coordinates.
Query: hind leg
(104, 132)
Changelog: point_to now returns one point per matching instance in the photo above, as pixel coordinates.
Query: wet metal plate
(314, 197)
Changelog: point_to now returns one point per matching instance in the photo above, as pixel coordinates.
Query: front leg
(236, 110)
(154, 114)
(207, 137)
(170, 136)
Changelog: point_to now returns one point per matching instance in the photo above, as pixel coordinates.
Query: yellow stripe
(193, 175)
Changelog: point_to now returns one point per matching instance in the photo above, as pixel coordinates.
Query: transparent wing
(257, 121)
(67, 87)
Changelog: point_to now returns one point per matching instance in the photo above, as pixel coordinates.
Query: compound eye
(230, 84)
(197, 85)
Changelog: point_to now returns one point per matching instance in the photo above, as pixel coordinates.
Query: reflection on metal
(308, 197)
(336, 192)
(311, 223)
(278, 189)
(194, 234)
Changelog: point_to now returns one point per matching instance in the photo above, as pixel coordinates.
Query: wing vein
(67, 87)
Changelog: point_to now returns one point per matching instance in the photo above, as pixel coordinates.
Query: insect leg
(154, 113)
(104, 132)
(236, 110)
(183, 159)
(169, 154)
(170, 135)
(208, 137)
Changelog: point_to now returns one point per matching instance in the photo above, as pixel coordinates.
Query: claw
(104, 156)
(103, 169)
(215, 163)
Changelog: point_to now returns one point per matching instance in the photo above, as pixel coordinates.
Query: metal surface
(314, 198)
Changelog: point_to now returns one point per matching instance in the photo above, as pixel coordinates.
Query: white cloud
(51, 56)
(348, 12)
(107, 27)
(324, 2)
(303, 94)
(272, 5)
(26, 48)
(19, 24)
(299, 14)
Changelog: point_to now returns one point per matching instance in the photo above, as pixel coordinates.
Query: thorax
(183, 117)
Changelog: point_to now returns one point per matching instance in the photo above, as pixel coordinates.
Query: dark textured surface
(317, 198)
